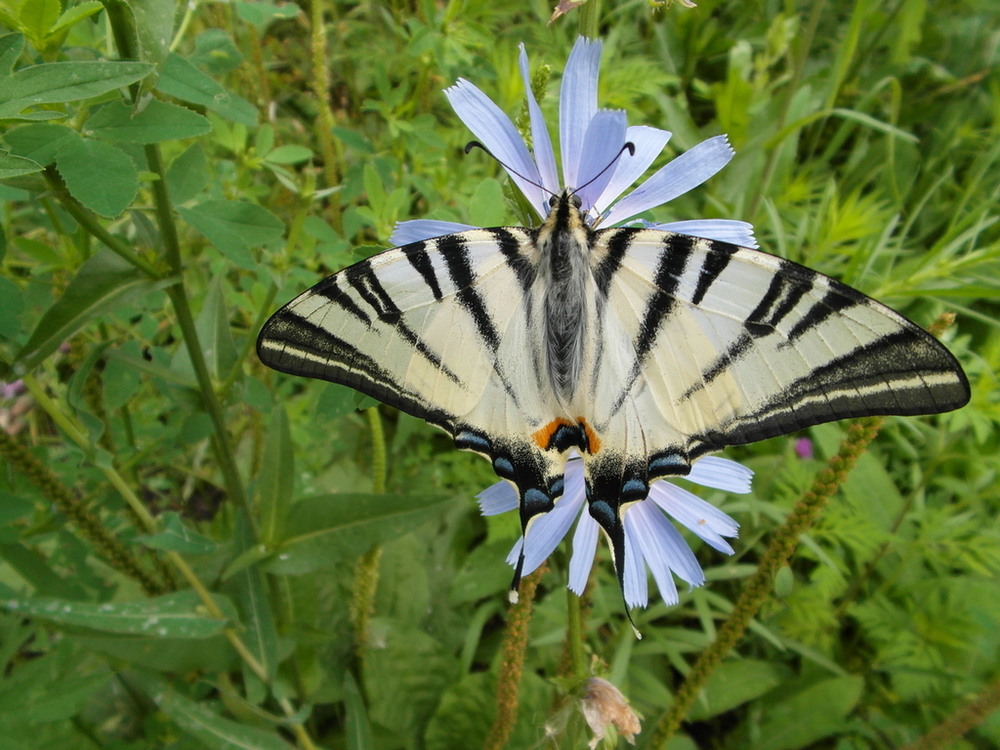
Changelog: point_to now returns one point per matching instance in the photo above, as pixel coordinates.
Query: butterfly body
(640, 349)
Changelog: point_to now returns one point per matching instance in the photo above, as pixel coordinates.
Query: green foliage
(181, 529)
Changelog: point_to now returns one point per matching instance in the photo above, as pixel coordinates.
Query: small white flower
(650, 538)
(590, 139)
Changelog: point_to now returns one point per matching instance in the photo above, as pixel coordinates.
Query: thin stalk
(366, 571)
(948, 732)
(319, 81)
(515, 642)
(590, 19)
(758, 587)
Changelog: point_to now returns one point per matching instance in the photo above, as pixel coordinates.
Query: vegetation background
(199, 552)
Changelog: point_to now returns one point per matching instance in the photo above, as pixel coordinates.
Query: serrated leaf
(103, 283)
(40, 142)
(181, 79)
(37, 17)
(75, 14)
(52, 83)
(234, 227)
(99, 175)
(174, 615)
(324, 530)
(201, 722)
(157, 121)
(177, 537)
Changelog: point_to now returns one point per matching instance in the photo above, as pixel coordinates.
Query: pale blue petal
(721, 474)
(495, 130)
(419, 230)
(584, 549)
(687, 171)
(634, 585)
(602, 146)
(497, 498)
(724, 230)
(665, 547)
(641, 526)
(648, 142)
(706, 521)
(546, 531)
(541, 143)
(577, 104)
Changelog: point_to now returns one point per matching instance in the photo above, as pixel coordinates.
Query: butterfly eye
(577, 200)
(553, 201)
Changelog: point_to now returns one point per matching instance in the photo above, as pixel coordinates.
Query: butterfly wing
(708, 344)
(443, 330)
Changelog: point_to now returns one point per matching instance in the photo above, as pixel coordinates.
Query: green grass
(159, 484)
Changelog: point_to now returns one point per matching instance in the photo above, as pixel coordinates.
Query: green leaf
(40, 142)
(200, 721)
(11, 47)
(178, 537)
(261, 14)
(275, 481)
(214, 333)
(52, 83)
(37, 17)
(170, 616)
(809, 714)
(234, 227)
(290, 154)
(734, 683)
(103, 283)
(156, 122)
(52, 696)
(102, 177)
(154, 27)
(357, 728)
(187, 174)
(16, 166)
(260, 630)
(324, 530)
(487, 207)
(75, 14)
(181, 79)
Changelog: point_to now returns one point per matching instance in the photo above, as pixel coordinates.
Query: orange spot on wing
(543, 436)
(593, 442)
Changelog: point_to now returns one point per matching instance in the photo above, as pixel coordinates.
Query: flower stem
(590, 17)
(947, 733)
(367, 569)
(574, 636)
(319, 81)
(515, 642)
(758, 588)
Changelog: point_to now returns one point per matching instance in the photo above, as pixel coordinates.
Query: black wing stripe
(510, 248)
(715, 263)
(297, 346)
(456, 256)
(416, 254)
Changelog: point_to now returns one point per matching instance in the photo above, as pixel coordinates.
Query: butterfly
(639, 349)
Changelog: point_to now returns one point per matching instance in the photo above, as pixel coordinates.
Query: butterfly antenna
(629, 146)
(476, 144)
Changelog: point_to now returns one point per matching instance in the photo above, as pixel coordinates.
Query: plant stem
(758, 587)
(947, 733)
(515, 642)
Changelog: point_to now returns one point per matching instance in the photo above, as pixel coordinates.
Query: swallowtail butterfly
(640, 349)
